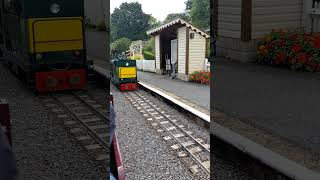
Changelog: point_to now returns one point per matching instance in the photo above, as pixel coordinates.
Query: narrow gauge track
(187, 145)
(86, 119)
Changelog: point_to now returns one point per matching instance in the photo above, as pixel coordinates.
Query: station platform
(198, 94)
(270, 113)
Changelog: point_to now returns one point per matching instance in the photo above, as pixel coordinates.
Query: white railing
(146, 65)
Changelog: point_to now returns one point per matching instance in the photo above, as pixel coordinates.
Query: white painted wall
(197, 52)
(182, 46)
(146, 65)
(149, 65)
(275, 14)
(157, 51)
(229, 18)
(139, 64)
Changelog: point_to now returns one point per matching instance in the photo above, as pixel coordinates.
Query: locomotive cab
(45, 44)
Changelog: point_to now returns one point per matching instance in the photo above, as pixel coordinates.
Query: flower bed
(297, 50)
(200, 77)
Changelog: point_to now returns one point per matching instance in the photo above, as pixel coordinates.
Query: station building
(180, 42)
(240, 24)
(136, 48)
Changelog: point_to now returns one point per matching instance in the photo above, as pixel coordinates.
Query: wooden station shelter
(181, 43)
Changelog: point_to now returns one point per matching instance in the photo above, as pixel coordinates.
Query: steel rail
(100, 140)
(208, 150)
(199, 162)
(100, 114)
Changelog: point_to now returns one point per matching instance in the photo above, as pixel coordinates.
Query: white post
(306, 19)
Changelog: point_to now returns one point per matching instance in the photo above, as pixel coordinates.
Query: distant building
(136, 48)
(181, 43)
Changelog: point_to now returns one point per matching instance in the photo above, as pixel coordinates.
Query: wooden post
(187, 50)
(214, 17)
(5, 122)
(246, 20)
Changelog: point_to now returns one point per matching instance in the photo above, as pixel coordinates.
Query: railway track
(182, 139)
(85, 118)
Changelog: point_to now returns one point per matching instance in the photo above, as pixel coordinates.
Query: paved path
(196, 93)
(283, 102)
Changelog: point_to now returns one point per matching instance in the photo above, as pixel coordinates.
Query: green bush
(120, 46)
(150, 45)
(149, 55)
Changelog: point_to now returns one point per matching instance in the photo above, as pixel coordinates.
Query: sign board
(5, 123)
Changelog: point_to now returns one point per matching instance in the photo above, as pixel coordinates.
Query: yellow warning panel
(56, 34)
(127, 72)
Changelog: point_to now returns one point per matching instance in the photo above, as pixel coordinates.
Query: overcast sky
(158, 8)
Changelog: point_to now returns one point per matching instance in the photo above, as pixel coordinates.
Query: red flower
(291, 60)
(296, 48)
(280, 58)
(293, 37)
(302, 58)
(316, 42)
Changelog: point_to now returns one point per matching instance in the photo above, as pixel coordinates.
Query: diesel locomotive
(124, 74)
(44, 42)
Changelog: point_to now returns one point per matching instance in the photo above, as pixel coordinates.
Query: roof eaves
(175, 21)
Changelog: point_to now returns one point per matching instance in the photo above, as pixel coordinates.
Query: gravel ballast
(220, 169)
(147, 156)
(44, 148)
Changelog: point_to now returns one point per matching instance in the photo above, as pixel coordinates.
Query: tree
(149, 49)
(200, 13)
(129, 21)
(150, 45)
(121, 45)
(188, 4)
(172, 16)
(153, 22)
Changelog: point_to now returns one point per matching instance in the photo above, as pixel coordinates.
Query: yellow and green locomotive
(44, 42)
(124, 74)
